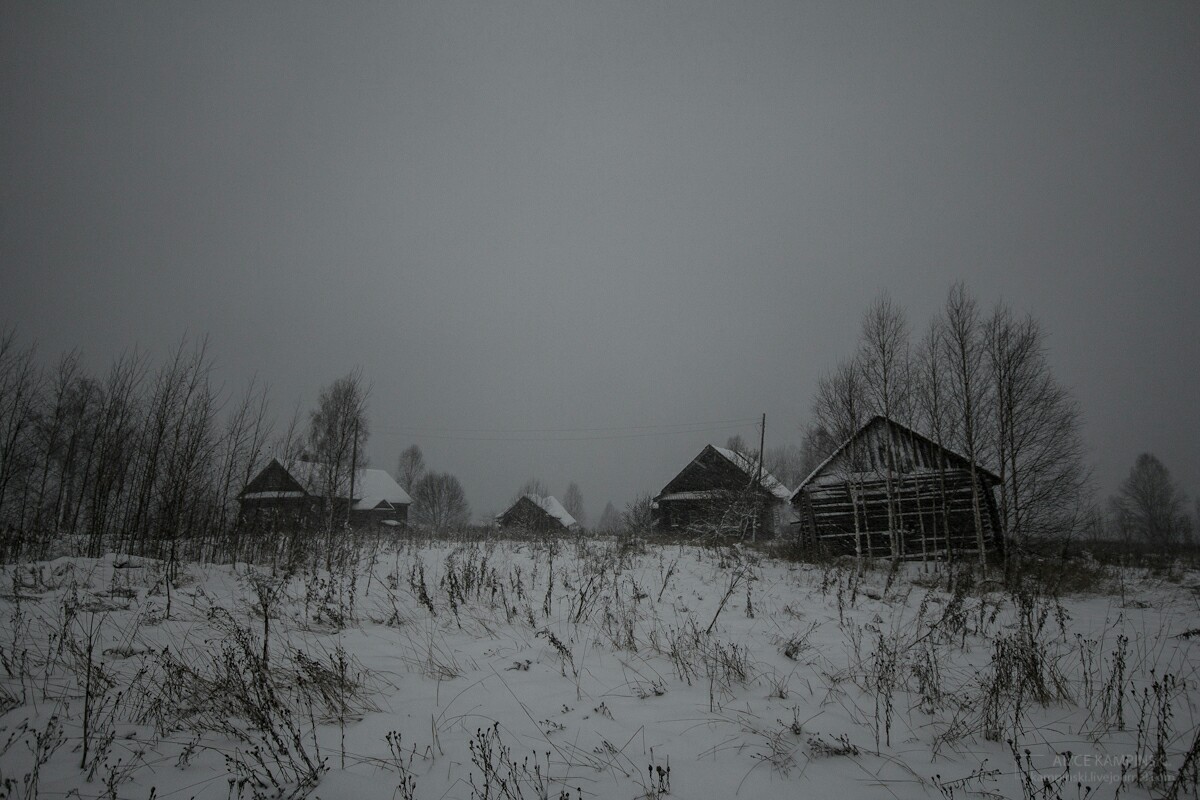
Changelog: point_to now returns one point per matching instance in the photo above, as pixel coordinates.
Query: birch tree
(1036, 446)
(440, 502)
(884, 368)
(932, 413)
(573, 503)
(610, 518)
(840, 408)
(967, 382)
(410, 467)
(337, 436)
(1150, 507)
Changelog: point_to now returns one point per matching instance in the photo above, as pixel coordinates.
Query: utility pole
(762, 437)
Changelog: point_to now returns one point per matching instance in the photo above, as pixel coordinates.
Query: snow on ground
(586, 669)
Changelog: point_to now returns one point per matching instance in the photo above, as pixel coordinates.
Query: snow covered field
(588, 669)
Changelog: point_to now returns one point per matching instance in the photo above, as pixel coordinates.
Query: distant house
(280, 495)
(723, 492)
(532, 512)
(889, 491)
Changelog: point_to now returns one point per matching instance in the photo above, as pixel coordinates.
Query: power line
(607, 428)
(514, 436)
(561, 438)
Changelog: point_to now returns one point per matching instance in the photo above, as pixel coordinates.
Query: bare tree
(968, 385)
(1035, 433)
(1150, 506)
(610, 519)
(531, 486)
(787, 463)
(411, 467)
(171, 384)
(816, 446)
(439, 502)
(840, 408)
(337, 435)
(108, 489)
(75, 405)
(738, 445)
(190, 452)
(289, 446)
(573, 503)
(20, 386)
(932, 413)
(49, 429)
(729, 515)
(243, 448)
(884, 366)
(883, 359)
(143, 461)
(638, 515)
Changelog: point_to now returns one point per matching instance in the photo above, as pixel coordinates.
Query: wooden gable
(724, 493)
(883, 440)
(889, 491)
(527, 514)
(273, 478)
(706, 472)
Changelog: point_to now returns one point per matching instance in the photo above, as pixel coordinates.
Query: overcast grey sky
(605, 215)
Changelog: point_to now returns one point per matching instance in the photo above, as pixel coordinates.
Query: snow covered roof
(371, 486)
(554, 508)
(550, 505)
(281, 495)
(750, 467)
(376, 485)
(879, 421)
(703, 494)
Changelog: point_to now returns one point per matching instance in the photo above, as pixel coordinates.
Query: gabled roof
(555, 509)
(375, 486)
(954, 458)
(549, 504)
(719, 470)
(372, 487)
(749, 466)
(273, 481)
(695, 494)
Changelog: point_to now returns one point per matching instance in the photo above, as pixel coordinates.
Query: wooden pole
(762, 437)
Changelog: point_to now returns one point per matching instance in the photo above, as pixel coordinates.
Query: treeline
(139, 460)
(979, 383)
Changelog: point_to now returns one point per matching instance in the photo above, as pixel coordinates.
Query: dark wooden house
(537, 513)
(723, 493)
(532, 512)
(279, 496)
(889, 491)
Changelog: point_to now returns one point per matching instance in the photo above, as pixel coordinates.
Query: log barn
(889, 491)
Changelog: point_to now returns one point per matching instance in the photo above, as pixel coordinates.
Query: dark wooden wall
(528, 515)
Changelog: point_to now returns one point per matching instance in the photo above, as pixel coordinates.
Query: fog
(580, 241)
